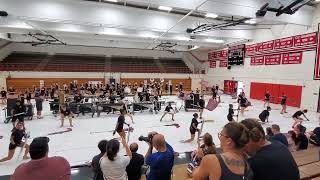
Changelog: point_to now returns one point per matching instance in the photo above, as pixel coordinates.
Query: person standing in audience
(277, 135)
(201, 105)
(39, 102)
(134, 168)
(95, 163)
(268, 160)
(3, 95)
(230, 164)
(170, 89)
(113, 165)
(42, 167)
(160, 162)
(301, 141)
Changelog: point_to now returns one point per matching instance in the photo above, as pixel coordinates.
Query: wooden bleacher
(26, 61)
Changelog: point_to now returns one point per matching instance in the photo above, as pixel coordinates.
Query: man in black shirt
(277, 135)
(168, 111)
(18, 112)
(201, 105)
(95, 164)
(268, 160)
(136, 163)
(18, 132)
(297, 119)
(3, 95)
(265, 115)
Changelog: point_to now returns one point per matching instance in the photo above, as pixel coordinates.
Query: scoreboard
(236, 54)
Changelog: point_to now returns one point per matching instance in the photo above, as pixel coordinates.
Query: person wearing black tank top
(230, 165)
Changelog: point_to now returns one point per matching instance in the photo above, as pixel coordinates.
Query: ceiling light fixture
(111, 0)
(317, 0)
(182, 38)
(250, 21)
(165, 8)
(215, 40)
(211, 15)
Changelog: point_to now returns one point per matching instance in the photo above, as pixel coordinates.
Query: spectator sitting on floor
(269, 133)
(136, 163)
(208, 147)
(278, 136)
(268, 160)
(292, 136)
(95, 164)
(315, 136)
(301, 141)
(42, 167)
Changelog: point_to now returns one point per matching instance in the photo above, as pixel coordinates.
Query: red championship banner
(305, 39)
(273, 59)
(265, 46)
(257, 61)
(223, 64)
(283, 43)
(213, 64)
(292, 58)
(317, 66)
(251, 48)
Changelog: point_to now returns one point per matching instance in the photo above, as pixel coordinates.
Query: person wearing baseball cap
(41, 166)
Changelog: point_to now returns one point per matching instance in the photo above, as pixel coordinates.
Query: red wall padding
(257, 91)
(229, 86)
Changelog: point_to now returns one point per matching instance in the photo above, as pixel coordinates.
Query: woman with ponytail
(231, 164)
(113, 165)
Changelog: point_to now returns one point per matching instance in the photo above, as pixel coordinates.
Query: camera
(148, 138)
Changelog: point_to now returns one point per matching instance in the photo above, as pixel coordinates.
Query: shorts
(229, 117)
(13, 146)
(19, 118)
(201, 107)
(267, 99)
(283, 103)
(193, 131)
(262, 119)
(39, 108)
(119, 130)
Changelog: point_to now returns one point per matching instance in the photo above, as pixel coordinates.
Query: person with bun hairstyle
(231, 164)
(268, 160)
(193, 128)
(113, 165)
(208, 147)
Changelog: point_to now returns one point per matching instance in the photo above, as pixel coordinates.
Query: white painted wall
(296, 74)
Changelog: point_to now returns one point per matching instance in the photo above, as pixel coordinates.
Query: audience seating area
(21, 61)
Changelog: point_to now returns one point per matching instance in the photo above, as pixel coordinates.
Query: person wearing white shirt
(113, 165)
